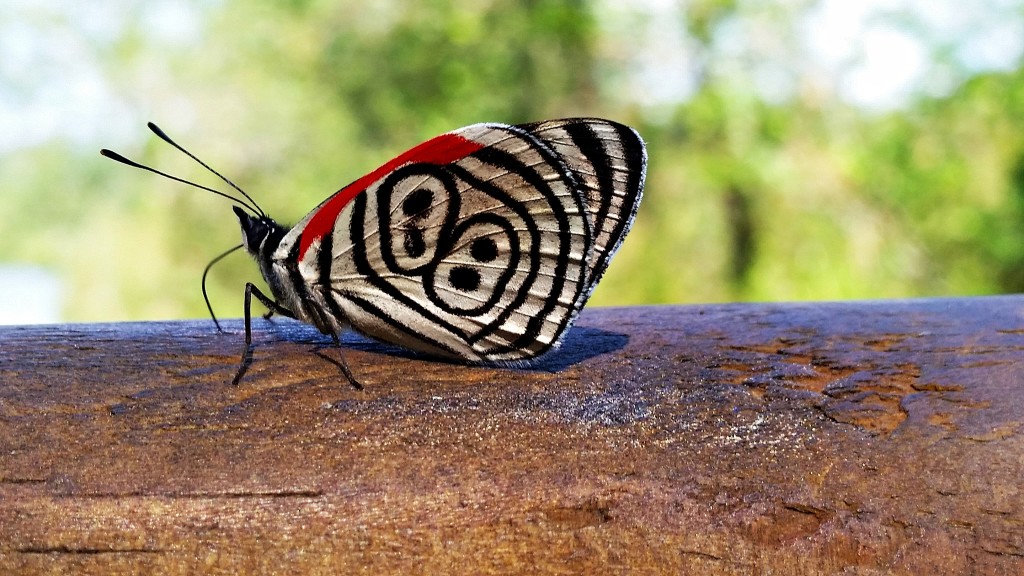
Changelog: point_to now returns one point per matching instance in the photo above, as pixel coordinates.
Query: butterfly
(480, 245)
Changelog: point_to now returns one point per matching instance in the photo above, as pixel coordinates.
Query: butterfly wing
(479, 244)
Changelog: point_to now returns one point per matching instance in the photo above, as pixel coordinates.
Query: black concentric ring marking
(415, 207)
(430, 280)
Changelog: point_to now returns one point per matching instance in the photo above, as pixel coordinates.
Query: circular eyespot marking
(464, 279)
(484, 250)
(417, 202)
(413, 243)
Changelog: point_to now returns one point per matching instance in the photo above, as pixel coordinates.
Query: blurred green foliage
(746, 199)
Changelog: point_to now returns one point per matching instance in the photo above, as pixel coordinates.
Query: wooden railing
(860, 438)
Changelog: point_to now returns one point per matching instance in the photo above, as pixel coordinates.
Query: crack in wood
(699, 554)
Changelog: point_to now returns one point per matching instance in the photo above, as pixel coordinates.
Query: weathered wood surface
(854, 438)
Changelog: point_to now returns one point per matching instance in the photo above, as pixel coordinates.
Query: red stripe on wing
(443, 149)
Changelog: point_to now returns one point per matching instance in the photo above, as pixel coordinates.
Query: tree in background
(764, 182)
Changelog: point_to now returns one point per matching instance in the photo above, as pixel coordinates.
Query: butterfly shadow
(581, 343)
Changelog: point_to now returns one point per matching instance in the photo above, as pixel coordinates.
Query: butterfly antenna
(117, 157)
(205, 296)
(163, 136)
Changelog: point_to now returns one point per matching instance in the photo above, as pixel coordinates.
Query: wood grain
(853, 438)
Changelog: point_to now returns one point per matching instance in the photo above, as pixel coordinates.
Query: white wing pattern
(481, 245)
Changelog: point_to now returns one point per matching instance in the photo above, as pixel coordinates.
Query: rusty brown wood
(853, 438)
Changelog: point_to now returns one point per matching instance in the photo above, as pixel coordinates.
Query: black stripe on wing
(609, 160)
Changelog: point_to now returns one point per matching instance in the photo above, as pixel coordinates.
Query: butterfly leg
(344, 365)
(275, 308)
(272, 307)
(340, 362)
(250, 291)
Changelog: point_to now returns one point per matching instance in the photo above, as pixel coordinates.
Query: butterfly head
(260, 234)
